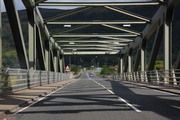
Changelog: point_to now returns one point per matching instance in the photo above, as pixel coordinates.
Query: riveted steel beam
(94, 35)
(92, 41)
(91, 48)
(91, 53)
(0, 37)
(65, 30)
(92, 45)
(95, 22)
(155, 49)
(96, 3)
(122, 29)
(127, 13)
(17, 33)
(69, 13)
(40, 49)
(137, 61)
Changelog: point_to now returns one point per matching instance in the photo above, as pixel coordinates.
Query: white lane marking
(137, 110)
(42, 98)
(111, 91)
(119, 98)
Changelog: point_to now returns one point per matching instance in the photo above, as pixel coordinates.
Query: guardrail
(17, 79)
(159, 77)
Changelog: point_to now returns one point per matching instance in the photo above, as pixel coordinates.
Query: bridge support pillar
(32, 40)
(168, 43)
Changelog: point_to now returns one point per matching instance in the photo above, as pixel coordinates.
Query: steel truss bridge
(51, 47)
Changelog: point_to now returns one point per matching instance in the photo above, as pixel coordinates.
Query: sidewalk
(13, 102)
(162, 88)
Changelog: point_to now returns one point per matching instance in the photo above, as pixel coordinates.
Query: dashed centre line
(119, 98)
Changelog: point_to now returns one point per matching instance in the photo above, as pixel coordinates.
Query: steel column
(32, 39)
(156, 46)
(121, 64)
(0, 37)
(17, 33)
(126, 63)
(40, 49)
(47, 55)
(143, 48)
(130, 61)
(138, 59)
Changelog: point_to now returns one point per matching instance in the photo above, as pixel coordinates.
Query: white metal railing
(18, 79)
(158, 77)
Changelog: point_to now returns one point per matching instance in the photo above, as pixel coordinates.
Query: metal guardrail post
(48, 77)
(40, 81)
(28, 80)
(174, 77)
(146, 77)
(157, 77)
(137, 74)
(166, 77)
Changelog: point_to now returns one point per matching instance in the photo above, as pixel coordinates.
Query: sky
(21, 6)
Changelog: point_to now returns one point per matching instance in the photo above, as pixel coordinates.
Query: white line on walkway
(119, 98)
(42, 98)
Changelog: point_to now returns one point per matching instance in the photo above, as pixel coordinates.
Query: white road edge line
(42, 98)
(119, 98)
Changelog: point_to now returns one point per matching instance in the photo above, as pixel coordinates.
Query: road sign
(67, 68)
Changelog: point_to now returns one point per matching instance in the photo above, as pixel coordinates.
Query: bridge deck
(94, 98)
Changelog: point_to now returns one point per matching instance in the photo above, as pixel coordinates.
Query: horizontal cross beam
(94, 35)
(96, 22)
(96, 3)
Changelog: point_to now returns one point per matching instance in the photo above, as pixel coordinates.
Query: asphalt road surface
(94, 98)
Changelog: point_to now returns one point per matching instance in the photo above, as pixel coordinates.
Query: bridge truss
(52, 47)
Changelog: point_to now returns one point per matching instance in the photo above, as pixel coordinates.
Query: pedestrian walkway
(11, 103)
(162, 88)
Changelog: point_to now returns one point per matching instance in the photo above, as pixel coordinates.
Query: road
(94, 98)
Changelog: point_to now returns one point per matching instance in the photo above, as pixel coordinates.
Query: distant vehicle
(91, 75)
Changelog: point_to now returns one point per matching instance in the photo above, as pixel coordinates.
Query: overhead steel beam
(17, 33)
(94, 35)
(91, 41)
(95, 22)
(92, 45)
(66, 14)
(65, 30)
(91, 48)
(156, 21)
(122, 29)
(91, 53)
(96, 3)
(116, 38)
(127, 13)
(39, 1)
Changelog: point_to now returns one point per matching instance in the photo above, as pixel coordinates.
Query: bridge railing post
(157, 77)
(174, 77)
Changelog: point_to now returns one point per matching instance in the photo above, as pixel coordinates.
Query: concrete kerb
(25, 101)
